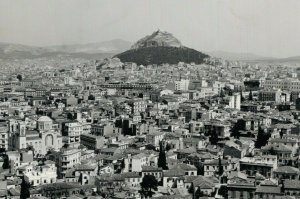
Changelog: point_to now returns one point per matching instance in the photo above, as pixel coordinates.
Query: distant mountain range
(253, 58)
(237, 56)
(114, 47)
(92, 50)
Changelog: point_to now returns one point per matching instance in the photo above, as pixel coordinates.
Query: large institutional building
(44, 138)
(283, 84)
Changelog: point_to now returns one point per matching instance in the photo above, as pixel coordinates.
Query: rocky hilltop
(159, 48)
(156, 39)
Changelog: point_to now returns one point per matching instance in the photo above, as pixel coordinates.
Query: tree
(200, 169)
(162, 160)
(5, 164)
(214, 137)
(25, 193)
(281, 133)
(191, 189)
(168, 147)
(289, 163)
(150, 147)
(91, 97)
(148, 184)
(236, 129)
(221, 169)
(272, 151)
(19, 77)
(198, 193)
(250, 96)
(30, 148)
(82, 192)
(282, 186)
(242, 97)
(262, 138)
(2, 150)
(121, 166)
(222, 94)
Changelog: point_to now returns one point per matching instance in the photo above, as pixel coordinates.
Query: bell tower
(22, 135)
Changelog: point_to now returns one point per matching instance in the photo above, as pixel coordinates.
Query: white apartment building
(134, 163)
(154, 138)
(235, 101)
(39, 175)
(72, 131)
(68, 158)
(182, 85)
(4, 136)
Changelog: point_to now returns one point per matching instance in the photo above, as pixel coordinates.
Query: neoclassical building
(46, 136)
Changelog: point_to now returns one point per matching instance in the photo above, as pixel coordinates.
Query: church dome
(44, 119)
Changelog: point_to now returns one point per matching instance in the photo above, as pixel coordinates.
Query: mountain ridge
(96, 51)
(237, 56)
(90, 50)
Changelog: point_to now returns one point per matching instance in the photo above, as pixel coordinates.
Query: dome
(44, 119)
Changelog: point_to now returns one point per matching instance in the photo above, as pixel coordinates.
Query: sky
(263, 27)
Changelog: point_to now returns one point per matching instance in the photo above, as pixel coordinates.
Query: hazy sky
(264, 27)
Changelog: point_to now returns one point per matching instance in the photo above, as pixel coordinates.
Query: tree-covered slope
(161, 55)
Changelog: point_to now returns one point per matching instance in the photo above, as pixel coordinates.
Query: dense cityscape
(106, 129)
(154, 118)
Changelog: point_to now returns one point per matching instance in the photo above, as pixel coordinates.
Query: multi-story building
(283, 84)
(92, 141)
(67, 159)
(154, 138)
(72, 132)
(240, 186)
(258, 164)
(134, 163)
(197, 84)
(211, 167)
(4, 135)
(137, 105)
(84, 172)
(38, 175)
(182, 85)
(102, 129)
(270, 95)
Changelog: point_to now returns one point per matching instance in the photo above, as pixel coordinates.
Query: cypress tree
(5, 164)
(162, 160)
(250, 96)
(221, 169)
(222, 94)
(214, 137)
(242, 97)
(25, 193)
